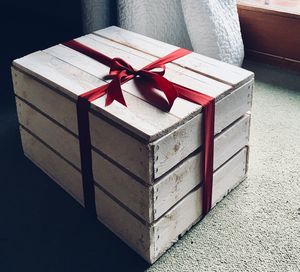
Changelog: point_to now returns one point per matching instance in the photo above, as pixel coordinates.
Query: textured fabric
(209, 27)
(214, 29)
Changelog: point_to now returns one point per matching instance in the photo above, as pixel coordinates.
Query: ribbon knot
(121, 72)
(119, 65)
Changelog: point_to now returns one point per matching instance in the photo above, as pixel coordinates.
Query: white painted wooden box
(147, 189)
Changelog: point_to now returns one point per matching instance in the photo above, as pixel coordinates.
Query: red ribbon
(121, 72)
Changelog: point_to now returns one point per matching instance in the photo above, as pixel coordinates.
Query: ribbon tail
(83, 106)
(209, 124)
(114, 92)
(208, 104)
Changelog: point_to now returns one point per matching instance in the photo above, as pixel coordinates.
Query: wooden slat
(177, 184)
(231, 140)
(182, 108)
(150, 241)
(146, 202)
(262, 43)
(68, 177)
(230, 175)
(139, 59)
(172, 148)
(124, 224)
(133, 154)
(207, 66)
(188, 211)
(139, 117)
(116, 218)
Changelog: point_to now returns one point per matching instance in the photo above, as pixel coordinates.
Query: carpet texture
(255, 228)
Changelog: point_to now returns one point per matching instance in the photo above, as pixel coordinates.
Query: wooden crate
(155, 174)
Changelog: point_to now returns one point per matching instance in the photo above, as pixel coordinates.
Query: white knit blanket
(209, 27)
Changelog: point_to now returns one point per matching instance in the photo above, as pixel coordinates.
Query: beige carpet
(257, 227)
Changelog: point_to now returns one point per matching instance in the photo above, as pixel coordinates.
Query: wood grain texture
(173, 72)
(68, 177)
(150, 241)
(272, 59)
(184, 109)
(147, 202)
(146, 162)
(132, 154)
(175, 185)
(284, 8)
(136, 156)
(271, 35)
(209, 67)
(188, 211)
(139, 117)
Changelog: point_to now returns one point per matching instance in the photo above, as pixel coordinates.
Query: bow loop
(114, 91)
(158, 68)
(161, 83)
(119, 65)
(121, 71)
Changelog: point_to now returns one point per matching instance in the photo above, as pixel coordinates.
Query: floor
(256, 228)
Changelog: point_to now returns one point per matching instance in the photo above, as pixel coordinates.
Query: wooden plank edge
(196, 193)
(236, 84)
(144, 229)
(267, 9)
(273, 59)
(239, 124)
(147, 136)
(236, 92)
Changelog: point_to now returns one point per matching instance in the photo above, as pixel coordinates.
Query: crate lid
(73, 73)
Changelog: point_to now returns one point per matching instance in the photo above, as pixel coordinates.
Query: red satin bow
(121, 72)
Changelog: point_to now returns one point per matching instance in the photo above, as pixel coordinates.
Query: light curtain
(209, 27)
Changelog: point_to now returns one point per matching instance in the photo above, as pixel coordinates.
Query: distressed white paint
(137, 157)
(145, 164)
(58, 169)
(175, 185)
(189, 210)
(147, 202)
(73, 81)
(150, 241)
(132, 154)
(213, 68)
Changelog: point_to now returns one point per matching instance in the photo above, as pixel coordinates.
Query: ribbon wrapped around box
(121, 72)
(154, 162)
